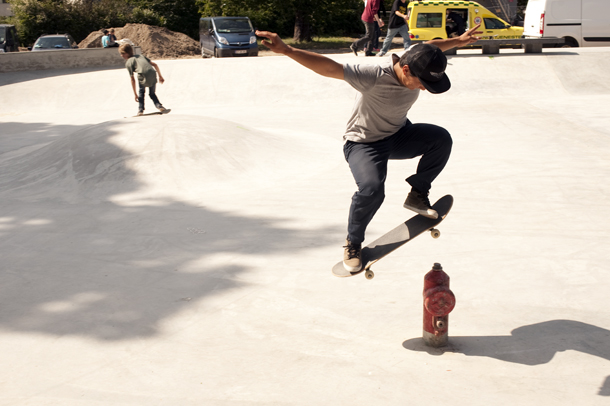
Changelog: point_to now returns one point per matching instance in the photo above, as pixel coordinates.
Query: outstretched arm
(318, 63)
(133, 86)
(154, 65)
(467, 38)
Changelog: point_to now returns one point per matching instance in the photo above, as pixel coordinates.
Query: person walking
(369, 16)
(398, 24)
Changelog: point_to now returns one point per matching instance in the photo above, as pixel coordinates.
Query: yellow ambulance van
(443, 19)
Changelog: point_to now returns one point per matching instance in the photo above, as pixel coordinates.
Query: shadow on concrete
(535, 344)
(9, 78)
(16, 135)
(108, 271)
(604, 390)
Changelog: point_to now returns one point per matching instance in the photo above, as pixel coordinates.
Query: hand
(381, 23)
(137, 98)
(469, 37)
(161, 80)
(273, 42)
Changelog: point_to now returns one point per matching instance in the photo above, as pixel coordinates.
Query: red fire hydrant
(439, 301)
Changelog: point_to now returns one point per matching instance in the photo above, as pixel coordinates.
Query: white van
(582, 23)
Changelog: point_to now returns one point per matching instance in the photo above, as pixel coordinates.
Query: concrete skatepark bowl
(185, 259)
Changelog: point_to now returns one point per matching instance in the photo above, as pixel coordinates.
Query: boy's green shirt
(147, 75)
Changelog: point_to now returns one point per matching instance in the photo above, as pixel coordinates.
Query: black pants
(366, 42)
(369, 165)
(151, 93)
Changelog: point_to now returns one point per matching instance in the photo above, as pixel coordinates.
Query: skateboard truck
(439, 301)
(369, 274)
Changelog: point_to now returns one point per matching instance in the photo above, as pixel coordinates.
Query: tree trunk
(302, 28)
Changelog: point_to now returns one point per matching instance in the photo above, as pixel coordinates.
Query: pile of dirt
(156, 42)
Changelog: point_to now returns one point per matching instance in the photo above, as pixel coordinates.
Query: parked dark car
(9, 41)
(227, 36)
(54, 43)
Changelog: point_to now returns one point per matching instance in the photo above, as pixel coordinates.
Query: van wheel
(216, 53)
(570, 43)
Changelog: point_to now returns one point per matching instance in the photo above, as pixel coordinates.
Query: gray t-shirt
(147, 75)
(382, 105)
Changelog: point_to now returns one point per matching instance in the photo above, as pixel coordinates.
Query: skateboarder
(379, 130)
(147, 72)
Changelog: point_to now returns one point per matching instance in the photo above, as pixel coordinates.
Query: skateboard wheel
(369, 274)
(435, 233)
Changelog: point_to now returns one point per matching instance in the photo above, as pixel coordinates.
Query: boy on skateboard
(147, 77)
(379, 130)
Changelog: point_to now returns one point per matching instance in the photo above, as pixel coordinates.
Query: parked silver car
(54, 43)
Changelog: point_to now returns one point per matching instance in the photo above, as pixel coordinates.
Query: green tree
(34, 18)
(300, 19)
(178, 15)
(521, 5)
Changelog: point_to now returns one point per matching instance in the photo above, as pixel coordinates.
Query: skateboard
(155, 113)
(397, 237)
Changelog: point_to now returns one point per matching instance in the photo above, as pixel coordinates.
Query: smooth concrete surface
(60, 59)
(185, 259)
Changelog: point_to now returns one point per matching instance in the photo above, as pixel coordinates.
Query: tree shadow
(109, 271)
(16, 135)
(9, 78)
(535, 344)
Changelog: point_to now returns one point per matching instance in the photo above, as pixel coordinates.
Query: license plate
(242, 51)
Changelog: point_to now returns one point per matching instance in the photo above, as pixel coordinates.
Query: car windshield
(2, 34)
(52, 43)
(494, 24)
(233, 25)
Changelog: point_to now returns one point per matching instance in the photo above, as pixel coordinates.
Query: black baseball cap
(427, 62)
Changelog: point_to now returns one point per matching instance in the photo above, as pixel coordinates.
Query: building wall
(5, 9)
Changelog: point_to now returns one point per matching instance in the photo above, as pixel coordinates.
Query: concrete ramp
(156, 157)
(529, 76)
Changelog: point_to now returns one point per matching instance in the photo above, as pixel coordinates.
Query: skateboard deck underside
(397, 237)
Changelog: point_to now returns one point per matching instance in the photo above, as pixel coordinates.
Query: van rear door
(534, 17)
